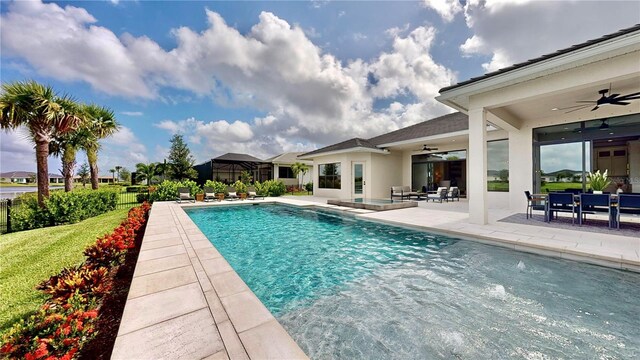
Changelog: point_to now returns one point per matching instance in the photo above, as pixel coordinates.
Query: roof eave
(343, 151)
(458, 96)
(426, 139)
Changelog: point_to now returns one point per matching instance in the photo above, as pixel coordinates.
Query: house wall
(521, 139)
(386, 171)
(308, 177)
(346, 160)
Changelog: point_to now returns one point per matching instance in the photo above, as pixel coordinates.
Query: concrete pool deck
(186, 302)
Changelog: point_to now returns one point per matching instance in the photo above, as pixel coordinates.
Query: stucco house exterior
(577, 108)
(282, 168)
(26, 177)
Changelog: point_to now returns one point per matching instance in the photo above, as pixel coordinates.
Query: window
(329, 176)
(284, 172)
(498, 165)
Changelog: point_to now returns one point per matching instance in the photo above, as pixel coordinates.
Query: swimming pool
(348, 288)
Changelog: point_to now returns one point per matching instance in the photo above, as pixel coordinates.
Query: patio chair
(533, 204)
(184, 195)
(402, 192)
(440, 194)
(232, 194)
(454, 193)
(628, 202)
(209, 194)
(592, 203)
(252, 194)
(560, 202)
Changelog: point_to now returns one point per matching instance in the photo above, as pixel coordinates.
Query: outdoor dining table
(613, 214)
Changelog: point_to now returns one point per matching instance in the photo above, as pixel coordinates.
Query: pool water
(348, 288)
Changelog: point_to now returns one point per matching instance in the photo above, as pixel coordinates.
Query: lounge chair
(184, 195)
(252, 194)
(439, 195)
(232, 194)
(402, 192)
(454, 193)
(209, 194)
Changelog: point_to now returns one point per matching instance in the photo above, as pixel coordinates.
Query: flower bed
(68, 319)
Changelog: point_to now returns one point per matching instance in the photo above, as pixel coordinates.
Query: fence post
(8, 215)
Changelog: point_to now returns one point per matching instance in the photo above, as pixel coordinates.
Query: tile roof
(441, 125)
(544, 57)
(286, 158)
(347, 144)
(238, 157)
(25, 174)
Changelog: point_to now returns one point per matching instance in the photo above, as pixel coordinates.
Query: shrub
(55, 331)
(136, 188)
(67, 321)
(62, 208)
(240, 187)
(270, 188)
(168, 190)
(142, 197)
(308, 186)
(80, 280)
(218, 187)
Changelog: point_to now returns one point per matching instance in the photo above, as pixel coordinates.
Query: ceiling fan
(426, 148)
(611, 99)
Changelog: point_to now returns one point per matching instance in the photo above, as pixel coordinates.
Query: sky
(263, 77)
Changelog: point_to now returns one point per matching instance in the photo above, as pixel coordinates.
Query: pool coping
(185, 300)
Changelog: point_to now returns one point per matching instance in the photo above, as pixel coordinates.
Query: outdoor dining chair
(533, 204)
(626, 201)
(592, 203)
(560, 202)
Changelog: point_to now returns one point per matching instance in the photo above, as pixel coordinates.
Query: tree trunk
(42, 153)
(92, 158)
(68, 163)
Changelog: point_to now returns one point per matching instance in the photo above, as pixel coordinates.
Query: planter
(220, 196)
(243, 196)
(199, 197)
(597, 191)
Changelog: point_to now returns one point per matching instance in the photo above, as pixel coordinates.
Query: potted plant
(200, 196)
(598, 181)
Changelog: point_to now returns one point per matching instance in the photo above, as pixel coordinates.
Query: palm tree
(113, 175)
(44, 113)
(101, 123)
(118, 168)
(83, 173)
(146, 171)
(66, 146)
(297, 169)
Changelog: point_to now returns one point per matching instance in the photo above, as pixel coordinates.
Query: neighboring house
(26, 177)
(282, 168)
(515, 118)
(565, 175)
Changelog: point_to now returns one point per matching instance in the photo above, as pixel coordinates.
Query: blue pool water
(347, 288)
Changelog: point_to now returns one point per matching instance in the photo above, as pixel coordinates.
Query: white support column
(477, 160)
(520, 168)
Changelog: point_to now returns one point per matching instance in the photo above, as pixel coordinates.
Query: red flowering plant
(60, 328)
(81, 280)
(54, 332)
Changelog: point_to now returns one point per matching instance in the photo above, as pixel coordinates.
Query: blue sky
(269, 77)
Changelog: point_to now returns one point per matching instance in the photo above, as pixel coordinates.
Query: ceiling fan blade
(595, 108)
(619, 103)
(632, 96)
(580, 107)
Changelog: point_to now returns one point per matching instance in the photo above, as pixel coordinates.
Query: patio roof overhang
(344, 151)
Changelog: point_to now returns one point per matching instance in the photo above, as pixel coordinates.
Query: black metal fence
(126, 200)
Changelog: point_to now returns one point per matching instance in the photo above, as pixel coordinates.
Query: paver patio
(186, 302)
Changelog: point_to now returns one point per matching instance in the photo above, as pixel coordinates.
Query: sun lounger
(232, 194)
(184, 195)
(439, 195)
(252, 194)
(402, 192)
(209, 194)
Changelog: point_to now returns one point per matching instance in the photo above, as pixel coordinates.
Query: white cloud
(359, 36)
(447, 9)
(132, 113)
(275, 68)
(65, 44)
(511, 31)
(123, 148)
(114, 2)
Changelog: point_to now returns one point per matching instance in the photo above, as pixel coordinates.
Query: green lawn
(559, 186)
(29, 257)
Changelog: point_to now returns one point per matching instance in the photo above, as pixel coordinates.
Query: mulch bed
(113, 306)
